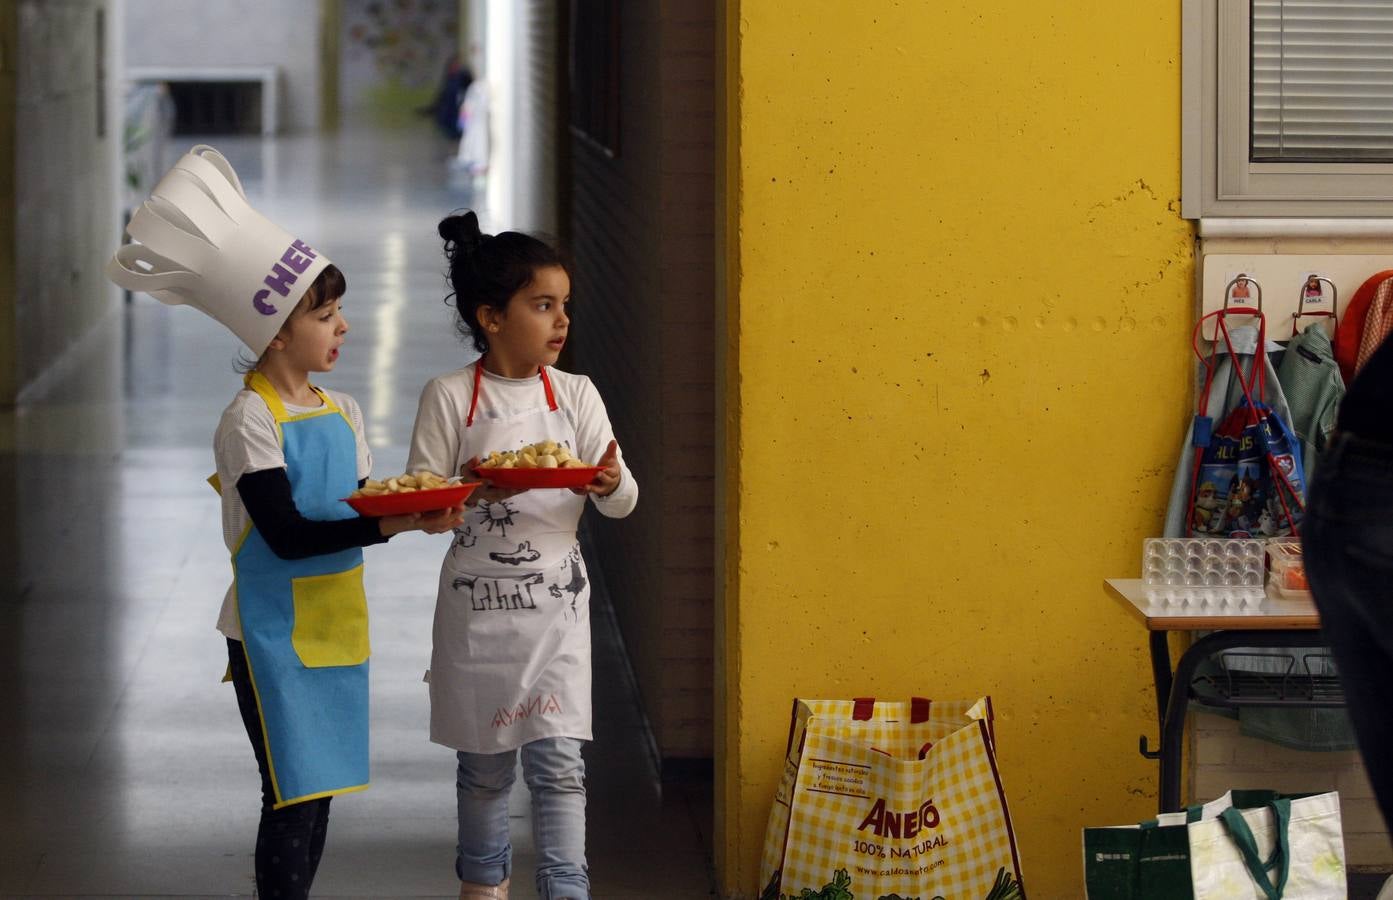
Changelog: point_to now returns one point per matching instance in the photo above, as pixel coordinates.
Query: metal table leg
(1161, 672)
(1177, 690)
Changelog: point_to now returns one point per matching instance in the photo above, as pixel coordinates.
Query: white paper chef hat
(202, 245)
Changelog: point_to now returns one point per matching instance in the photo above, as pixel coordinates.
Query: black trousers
(290, 840)
(1348, 541)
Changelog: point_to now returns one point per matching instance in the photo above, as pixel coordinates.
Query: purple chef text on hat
(292, 264)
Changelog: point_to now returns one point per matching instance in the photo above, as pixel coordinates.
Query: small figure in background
(445, 107)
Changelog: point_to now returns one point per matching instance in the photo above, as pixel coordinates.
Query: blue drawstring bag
(1248, 480)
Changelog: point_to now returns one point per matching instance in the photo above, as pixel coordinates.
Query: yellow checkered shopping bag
(890, 801)
(900, 729)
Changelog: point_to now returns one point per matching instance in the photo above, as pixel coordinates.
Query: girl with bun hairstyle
(510, 660)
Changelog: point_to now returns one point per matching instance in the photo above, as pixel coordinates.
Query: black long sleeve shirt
(271, 506)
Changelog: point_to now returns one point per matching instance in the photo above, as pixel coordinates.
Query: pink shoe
(469, 891)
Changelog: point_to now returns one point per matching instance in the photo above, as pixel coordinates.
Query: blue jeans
(555, 775)
(1348, 546)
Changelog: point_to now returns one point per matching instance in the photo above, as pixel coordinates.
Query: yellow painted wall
(956, 300)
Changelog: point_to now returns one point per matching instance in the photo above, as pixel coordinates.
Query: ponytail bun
(488, 270)
(461, 234)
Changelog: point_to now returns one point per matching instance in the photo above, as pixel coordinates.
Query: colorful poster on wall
(396, 54)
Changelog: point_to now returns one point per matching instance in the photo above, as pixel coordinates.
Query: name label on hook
(1312, 293)
(1283, 277)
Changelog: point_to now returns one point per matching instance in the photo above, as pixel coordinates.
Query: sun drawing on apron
(496, 515)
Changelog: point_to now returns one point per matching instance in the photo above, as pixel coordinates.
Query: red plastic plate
(412, 501)
(522, 479)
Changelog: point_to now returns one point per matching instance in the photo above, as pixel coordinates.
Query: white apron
(511, 656)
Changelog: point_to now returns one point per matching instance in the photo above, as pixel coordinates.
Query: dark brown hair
(488, 269)
(329, 286)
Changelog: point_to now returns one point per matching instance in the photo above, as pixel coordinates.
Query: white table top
(1273, 613)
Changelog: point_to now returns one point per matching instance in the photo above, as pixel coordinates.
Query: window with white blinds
(1322, 81)
(1287, 109)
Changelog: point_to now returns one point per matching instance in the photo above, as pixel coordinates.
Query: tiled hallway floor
(124, 769)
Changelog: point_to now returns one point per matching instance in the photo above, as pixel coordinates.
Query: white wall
(500, 74)
(284, 33)
(520, 65)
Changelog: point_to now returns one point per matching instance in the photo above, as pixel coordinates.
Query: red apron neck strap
(546, 385)
(479, 382)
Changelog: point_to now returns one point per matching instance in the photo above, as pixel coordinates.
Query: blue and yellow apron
(305, 621)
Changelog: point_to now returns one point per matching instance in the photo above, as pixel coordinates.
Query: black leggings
(289, 840)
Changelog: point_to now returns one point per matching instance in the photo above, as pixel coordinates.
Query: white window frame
(1217, 178)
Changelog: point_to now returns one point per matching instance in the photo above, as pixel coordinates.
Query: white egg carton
(1203, 571)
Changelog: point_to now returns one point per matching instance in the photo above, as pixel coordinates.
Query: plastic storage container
(1286, 568)
(1203, 571)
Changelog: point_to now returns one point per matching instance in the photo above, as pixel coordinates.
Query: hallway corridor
(126, 770)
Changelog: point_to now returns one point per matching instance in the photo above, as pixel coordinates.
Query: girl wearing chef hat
(287, 452)
(510, 662)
